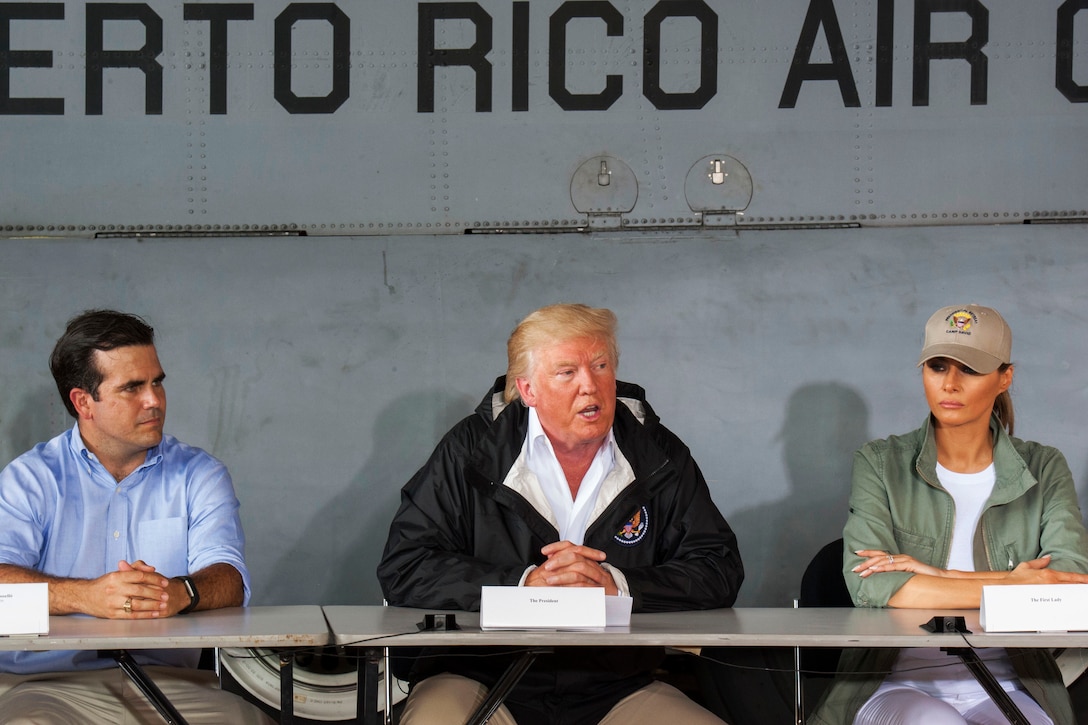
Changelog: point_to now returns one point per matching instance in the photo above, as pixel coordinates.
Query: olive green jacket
(897, 505)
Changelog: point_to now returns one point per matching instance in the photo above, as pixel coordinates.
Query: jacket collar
(1013, 476)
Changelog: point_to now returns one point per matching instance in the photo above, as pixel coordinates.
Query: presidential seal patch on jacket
(634, 528)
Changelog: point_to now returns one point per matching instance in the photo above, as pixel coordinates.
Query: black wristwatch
(190, 588)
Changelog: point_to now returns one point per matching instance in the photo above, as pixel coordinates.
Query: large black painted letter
(1063, 71)
(519, 61)
(26, 59)
(708, 55)
(98, 58)
(557, 56)
(218, 14)
(969, 50)
(475, 57)
(341, 58)
(820, 12)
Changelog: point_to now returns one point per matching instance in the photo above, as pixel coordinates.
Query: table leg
(387, 680)
(149, 689)
(798, 689)
(986, 679)
(287, 687)
(366, 707)
(502, 688)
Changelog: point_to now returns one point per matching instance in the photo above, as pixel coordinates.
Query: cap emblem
(961, 321)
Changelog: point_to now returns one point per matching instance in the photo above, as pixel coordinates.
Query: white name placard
(542, 608)
(24, 609)
(1034, 608)
(617, 611)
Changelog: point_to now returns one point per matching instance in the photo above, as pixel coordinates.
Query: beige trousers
(108, 696)
(451, 699)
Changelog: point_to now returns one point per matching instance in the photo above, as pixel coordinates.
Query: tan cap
(973, 335)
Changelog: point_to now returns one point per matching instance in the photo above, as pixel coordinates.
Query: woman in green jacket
(938, 513)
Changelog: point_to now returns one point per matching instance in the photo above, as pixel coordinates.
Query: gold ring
(128, 606)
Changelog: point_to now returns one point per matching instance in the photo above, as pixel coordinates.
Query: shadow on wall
(824, 424)
(335, 557)
(41, 417)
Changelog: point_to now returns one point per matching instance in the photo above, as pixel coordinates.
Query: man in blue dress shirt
(122, 522)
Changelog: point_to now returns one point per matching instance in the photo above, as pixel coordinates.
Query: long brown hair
(1003, 405)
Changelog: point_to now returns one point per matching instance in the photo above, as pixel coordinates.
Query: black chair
(755, 685)
(747, 685)
(822, 585)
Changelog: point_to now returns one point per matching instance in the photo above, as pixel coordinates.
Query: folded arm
(953, 589)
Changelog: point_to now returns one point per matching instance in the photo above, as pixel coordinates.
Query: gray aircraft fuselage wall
(335, 212)
(395, 117)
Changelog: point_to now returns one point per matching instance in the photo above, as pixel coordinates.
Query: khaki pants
(109, 696)
(451, 699)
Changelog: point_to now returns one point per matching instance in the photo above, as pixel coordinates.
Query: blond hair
(552, 324)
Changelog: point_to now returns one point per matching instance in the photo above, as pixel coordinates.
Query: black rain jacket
(459, 528)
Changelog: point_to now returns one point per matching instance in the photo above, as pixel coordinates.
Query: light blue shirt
(62, 513)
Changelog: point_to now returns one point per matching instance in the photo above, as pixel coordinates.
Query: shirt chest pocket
(164, 544)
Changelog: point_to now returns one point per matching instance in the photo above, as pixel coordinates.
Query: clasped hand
(572, 565)
(134, 591)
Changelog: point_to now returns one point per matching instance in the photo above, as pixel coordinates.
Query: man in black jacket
(563, 477)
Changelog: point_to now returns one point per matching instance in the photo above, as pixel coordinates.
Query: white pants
(109, 696)
(451, 699)
(902, 705)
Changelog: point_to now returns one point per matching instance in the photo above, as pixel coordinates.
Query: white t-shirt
(970, 492)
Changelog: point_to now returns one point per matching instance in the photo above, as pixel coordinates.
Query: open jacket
(464, 523)
(897, 505)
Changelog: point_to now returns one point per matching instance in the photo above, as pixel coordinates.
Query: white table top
(739, 627)
(295, 626)
(305, 626)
